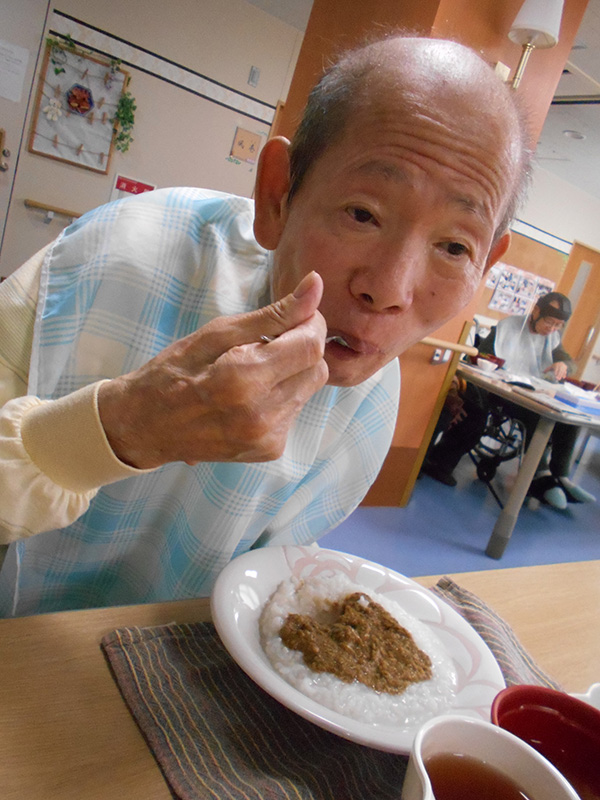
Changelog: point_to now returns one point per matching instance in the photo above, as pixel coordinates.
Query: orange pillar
(336, 25)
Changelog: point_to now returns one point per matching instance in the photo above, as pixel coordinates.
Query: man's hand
(559, 368)
(221, 394)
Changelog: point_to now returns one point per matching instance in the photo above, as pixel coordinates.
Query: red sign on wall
(132, 186)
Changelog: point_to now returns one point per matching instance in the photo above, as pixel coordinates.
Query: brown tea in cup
(484, 757)
(460, 777)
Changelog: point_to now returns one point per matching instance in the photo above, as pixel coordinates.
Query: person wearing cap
(530, 346)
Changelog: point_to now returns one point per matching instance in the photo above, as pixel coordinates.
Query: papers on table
(580, 399)
(558, 405)
(540, 391)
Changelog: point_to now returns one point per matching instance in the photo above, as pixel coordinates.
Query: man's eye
(456, 248)
(361, 215)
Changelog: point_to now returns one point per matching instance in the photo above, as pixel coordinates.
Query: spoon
(338, 339)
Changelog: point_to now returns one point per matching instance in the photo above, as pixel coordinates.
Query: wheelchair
(503, 439)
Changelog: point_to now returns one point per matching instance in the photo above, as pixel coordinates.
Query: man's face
(398, 218)
(546, 325)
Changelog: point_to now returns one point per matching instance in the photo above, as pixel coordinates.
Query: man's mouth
(346, 342)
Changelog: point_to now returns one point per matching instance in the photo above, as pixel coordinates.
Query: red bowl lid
(562, 728)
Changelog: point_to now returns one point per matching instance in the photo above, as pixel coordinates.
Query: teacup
(486, 365)
(479, 752)
(562, 728)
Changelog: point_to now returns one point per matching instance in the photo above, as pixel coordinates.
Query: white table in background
(550, 412)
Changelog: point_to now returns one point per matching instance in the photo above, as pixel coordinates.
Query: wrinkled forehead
(424, 67)
(464, 95)
(454, 110)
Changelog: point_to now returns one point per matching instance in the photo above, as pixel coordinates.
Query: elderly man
(530, 346)
(206, 374)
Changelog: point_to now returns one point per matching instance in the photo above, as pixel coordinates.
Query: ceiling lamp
(537, 25)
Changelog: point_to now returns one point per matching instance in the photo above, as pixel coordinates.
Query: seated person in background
(177, 400)
(530, 346)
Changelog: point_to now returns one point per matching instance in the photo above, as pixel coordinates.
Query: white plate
(248, 581)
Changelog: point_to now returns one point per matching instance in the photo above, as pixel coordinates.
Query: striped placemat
(215, 734)
(513, 659)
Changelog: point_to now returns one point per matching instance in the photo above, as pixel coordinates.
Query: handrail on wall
(51, 210)
(456, 347)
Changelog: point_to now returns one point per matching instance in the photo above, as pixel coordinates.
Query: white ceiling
(576, 160)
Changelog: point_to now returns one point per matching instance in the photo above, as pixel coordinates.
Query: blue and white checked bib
(118, 286)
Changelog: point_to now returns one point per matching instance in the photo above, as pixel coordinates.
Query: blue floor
(445, 530)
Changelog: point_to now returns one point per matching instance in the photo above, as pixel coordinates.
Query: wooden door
(581, 282)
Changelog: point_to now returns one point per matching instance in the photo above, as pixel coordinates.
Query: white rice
(416, 704)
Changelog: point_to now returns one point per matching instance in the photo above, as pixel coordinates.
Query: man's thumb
(294, 308)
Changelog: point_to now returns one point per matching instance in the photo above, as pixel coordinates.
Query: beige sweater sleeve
(54, 455)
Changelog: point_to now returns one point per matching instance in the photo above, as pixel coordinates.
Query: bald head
(420, 79)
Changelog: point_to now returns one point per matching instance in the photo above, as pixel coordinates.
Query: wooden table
(548, 416)
(67, 735)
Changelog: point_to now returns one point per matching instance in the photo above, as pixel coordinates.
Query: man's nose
(388, 283)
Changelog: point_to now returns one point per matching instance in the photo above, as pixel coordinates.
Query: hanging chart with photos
(515, 290)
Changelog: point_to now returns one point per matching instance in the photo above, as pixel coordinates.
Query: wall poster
(516, 291)
(76, 102)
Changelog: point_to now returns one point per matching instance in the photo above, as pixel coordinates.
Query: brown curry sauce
(363, 643)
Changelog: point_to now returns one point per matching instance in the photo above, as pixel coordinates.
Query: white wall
(183, 140)
(219, 38)
(561, 209)
(180, 138)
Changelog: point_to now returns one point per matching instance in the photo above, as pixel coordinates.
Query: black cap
(554, 304)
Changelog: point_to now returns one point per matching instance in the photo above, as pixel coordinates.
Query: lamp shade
(537, 23)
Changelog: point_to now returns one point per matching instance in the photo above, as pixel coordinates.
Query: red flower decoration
(79, 99)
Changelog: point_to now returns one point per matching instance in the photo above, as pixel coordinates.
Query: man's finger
(287, 355)
(283, 315)
(295, 390)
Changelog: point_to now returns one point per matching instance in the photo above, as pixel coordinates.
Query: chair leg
(485, 477)
(495, 494)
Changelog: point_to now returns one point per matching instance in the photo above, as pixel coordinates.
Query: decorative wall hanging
(82, 108)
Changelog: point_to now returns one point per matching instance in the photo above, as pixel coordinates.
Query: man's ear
(271, 191)
(497, 251)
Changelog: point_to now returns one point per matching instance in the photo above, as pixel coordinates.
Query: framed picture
(246, 145)
(76, 102)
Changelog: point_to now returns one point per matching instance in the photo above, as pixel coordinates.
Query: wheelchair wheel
(486, 469)
(511, 438)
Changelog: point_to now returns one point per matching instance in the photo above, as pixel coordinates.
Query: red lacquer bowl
(562, 728)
